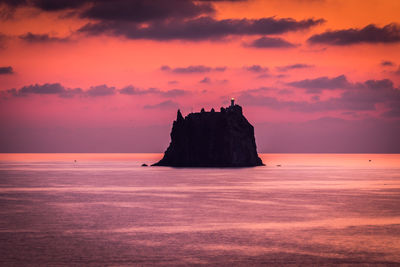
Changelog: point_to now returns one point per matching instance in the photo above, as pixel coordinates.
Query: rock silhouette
(212, 139)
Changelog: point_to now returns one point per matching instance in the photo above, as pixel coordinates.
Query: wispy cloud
(192, 69)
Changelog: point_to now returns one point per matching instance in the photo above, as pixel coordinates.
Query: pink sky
(87, 76)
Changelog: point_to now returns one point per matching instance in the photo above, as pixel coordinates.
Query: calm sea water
(106, 210)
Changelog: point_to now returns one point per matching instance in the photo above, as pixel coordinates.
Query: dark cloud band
(204, 28)
(369, 34)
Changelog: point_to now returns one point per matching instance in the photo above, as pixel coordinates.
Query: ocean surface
(107, 210)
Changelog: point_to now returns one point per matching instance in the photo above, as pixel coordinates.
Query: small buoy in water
(370, 160)
(74, 160)
(278, 165)
(144, 165)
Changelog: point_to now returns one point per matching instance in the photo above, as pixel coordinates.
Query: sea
(108, 210)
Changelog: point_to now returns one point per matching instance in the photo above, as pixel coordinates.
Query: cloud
(369, 34)
(192, 69)
(41, 38)
(387, 63)
(46, 89)
(376, 84)
(373, 92)
(6, 70)
(223, 0)
(145, 6)
(321, 83)
(220, 68)
(163, 105)
(205, 80)
(340, 82)
(165, 68)
(51, 5)
(293, 66)
(163, 20)
(101, 90)
(361, 96)
(203, 28)
(160, 19)
(54, 88)
(145, 10)
(130, 90)
(270, 42)
(47, 5)
(13, 3)
(305, 106)
(93, 91)
(124, 10)
(60, 90)
(256, 68)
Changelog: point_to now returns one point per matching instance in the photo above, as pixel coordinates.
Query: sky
(312, 76)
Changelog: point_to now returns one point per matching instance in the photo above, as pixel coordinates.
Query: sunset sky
(109, 76)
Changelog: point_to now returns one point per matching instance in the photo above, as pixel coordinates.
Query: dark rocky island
(212, 139)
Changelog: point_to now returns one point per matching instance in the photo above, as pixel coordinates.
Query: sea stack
(212, 139)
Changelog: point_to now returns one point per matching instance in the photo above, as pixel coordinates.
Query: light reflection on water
(105, 209)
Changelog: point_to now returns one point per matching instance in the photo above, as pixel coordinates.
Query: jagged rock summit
(212, 139)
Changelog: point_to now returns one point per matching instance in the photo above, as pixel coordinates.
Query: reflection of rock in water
(212, 139)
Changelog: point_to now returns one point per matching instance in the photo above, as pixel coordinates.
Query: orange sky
(83, 61)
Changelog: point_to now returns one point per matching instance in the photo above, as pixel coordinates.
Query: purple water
(106, 210)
